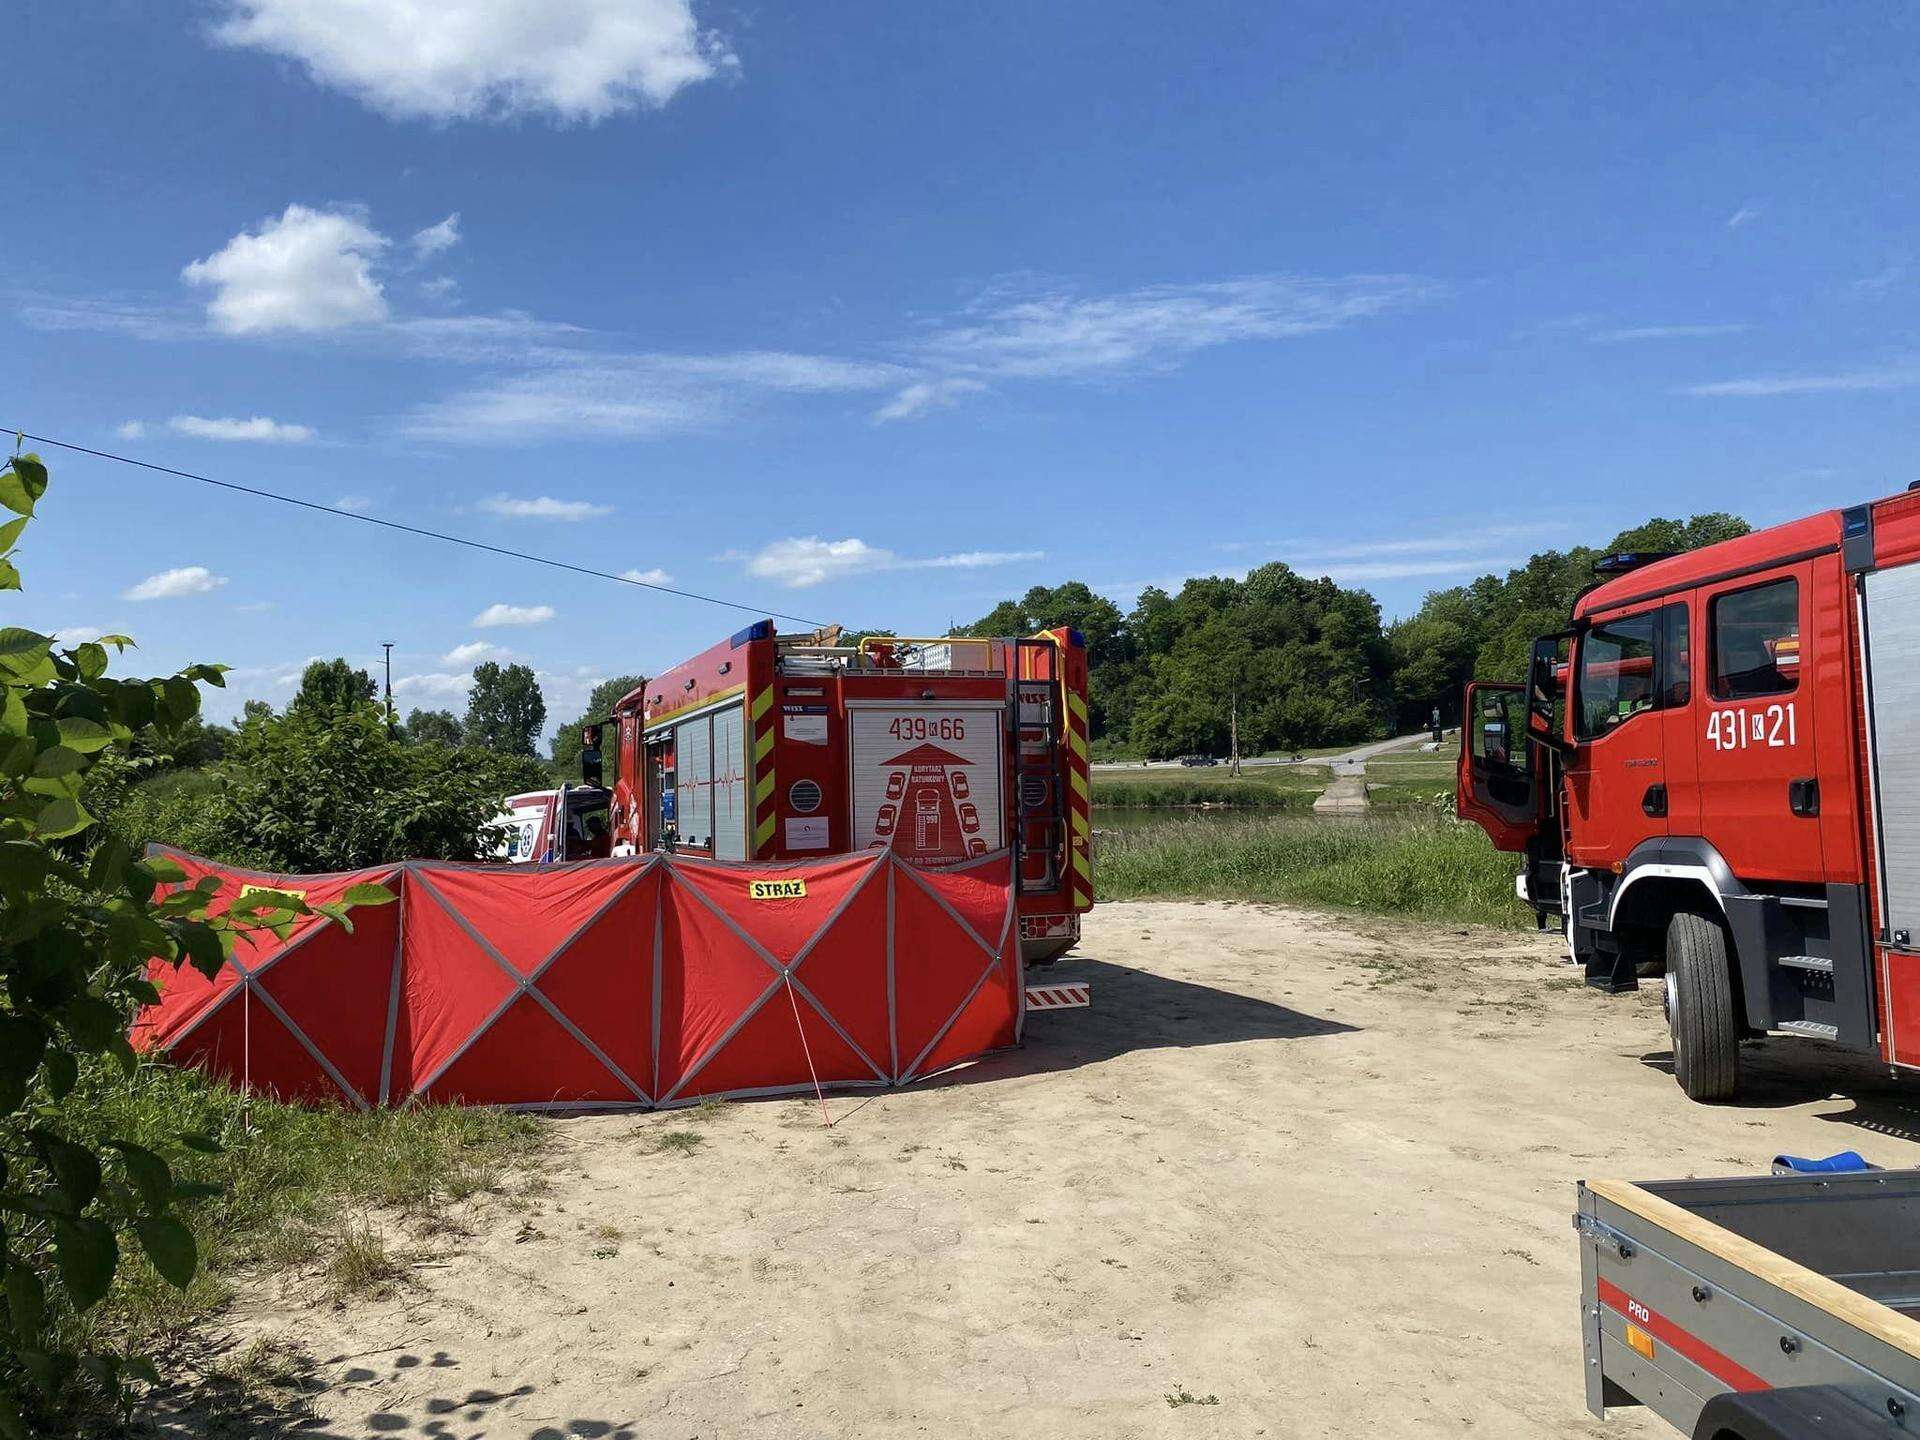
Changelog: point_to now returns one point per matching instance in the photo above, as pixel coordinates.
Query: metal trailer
(1777, 1307)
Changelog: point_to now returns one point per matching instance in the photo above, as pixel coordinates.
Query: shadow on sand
(1778, 1074)
(1138, 1010)
(406, 1395)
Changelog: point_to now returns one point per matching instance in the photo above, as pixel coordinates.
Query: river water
(1137, 817)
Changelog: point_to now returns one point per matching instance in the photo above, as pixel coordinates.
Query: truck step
(1814, 1028)
(1807, 962)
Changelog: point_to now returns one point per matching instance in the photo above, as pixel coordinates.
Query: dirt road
(1291, 1177)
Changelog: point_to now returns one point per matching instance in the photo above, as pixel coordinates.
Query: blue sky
(878, 313)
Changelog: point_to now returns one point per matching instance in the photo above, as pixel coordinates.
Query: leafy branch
(88, 932)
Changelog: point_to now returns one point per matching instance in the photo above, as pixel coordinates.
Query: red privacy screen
(639, 982)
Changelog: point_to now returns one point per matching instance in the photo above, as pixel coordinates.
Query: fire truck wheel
(1706, 1032)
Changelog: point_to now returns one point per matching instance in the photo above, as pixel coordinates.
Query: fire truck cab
(1720, 783)
(772, 747)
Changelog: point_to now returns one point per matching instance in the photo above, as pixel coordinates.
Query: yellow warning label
(777, 889)
(246, 890)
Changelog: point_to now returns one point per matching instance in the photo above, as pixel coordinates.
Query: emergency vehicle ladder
(1039, 800)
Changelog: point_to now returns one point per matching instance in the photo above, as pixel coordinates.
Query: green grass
(678, 1142)
(297, 1186)
(1411, 866)
(1434, 792)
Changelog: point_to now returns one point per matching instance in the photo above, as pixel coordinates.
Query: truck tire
(1706, 1031)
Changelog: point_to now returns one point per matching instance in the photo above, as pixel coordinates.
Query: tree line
(1300, 662)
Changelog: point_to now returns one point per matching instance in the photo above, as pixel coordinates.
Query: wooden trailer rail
(1763, 1308)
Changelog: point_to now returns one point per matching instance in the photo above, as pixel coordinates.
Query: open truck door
(1510, 739)
(1499, 785)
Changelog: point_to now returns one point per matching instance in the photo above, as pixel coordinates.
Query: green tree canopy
(1486, 629)
(1308, 659)
(328, 686)
(439, 727)
(303, 791)
(505, 709)
(566, 741)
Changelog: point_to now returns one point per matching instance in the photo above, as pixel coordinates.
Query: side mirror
(592, 768)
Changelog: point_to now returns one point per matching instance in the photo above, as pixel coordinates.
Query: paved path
(1349, 762)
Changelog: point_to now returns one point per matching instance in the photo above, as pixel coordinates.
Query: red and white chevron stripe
(1059, 997)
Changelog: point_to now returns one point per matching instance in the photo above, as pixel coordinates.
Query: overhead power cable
(439, 535)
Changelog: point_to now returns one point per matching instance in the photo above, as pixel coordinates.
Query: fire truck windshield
(1616, 673)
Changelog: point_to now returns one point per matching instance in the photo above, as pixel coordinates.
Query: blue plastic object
(1845, 1163)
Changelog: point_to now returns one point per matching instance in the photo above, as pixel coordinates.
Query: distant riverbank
(1413, 866)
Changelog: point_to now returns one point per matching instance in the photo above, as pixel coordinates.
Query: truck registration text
(1776, 727)
(919, 727)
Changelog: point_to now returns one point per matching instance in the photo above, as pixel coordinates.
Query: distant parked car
(1198, 760)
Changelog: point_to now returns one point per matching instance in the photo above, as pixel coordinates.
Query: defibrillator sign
(777, 889)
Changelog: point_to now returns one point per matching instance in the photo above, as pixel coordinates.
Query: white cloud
(571, 60)
(109, 317)
(501, 614)
(1453, 543)
(433, 683)
(77, 634)
(1881, 282)
(569, 403)
(805, 561)
(258, 428)
(924, 395)
(1896, 379)
(309, 270)
(574, 394)
(354, 503)
(472, 653)
(440, 287)
(1745, 215)
(436, 238)
(1059, 336)
(647, 577)
(171, 584)
(131, 430)
(543, 507)
(773, 370)
(1354, 571)
(1663, 332)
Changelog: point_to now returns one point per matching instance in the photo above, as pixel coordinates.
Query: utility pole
(387, 646)
(1233, 731)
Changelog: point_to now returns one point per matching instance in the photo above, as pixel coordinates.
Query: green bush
(174, 808)
(322, 789)
(1412, 866)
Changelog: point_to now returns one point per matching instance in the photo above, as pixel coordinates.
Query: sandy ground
(1314, 1174)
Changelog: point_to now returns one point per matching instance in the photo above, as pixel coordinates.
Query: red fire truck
(1714, 774)
(776, 747)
